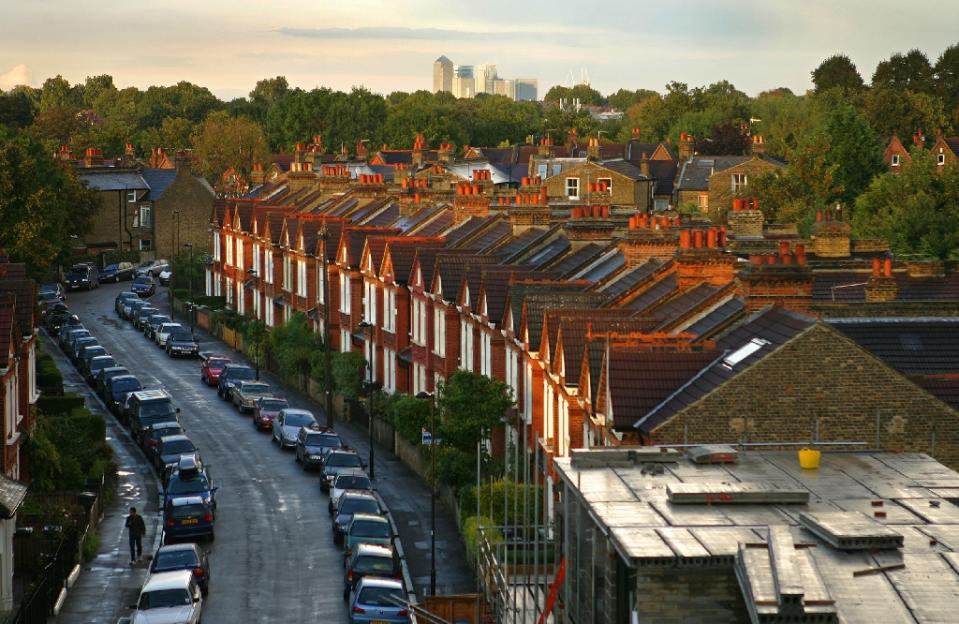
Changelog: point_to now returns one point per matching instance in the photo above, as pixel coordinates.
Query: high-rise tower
(442, 75)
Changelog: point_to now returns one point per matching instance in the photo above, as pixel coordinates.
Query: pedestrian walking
(136, 528)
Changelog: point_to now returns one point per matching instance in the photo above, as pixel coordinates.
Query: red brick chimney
(758, 145)
(361, 153)
(746, 220)
(257, 175)
(831, 236)
(882, 286)
(419, 144)
(701, 258)
(783, 279)
(592, 149)
(687, 146)
(644, 164)
(92, 157)
(545, 147)
(445, 153)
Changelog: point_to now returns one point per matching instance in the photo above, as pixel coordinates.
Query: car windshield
(217, 362)
(381, 597)
(249, 388)
(159, 432)
(181, 334)
(322, 439)
(126, 385)
(169, 329)
(143, 280)
(369, 528)
(298, 420)
(178, 446)
(173, 559)
(344, 460)
(78, 272)
(353, 482)
(359, 504)
(164, 599)
(187, 486)
(97, 363)
(159, 320)
(272, 405)
(372, 564)
(241, 373)
(156, 408)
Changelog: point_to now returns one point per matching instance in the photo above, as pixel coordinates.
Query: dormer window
(572, 188)
(739, 181)
(895, 160)
(940, 159)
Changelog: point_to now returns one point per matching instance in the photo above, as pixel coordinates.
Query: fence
(38, 603)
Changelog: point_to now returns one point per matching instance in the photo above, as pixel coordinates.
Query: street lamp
(369, 391)
(432, 399)
(190, 282)
(327, 355)
(259, 337)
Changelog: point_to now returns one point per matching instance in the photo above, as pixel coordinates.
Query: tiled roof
(911, 346)
(683, 303)
(113, 180)
(944, 388)
(403, 252)
(159, 180)
(848, 286)
(7, 308)
(573, 325)
(718, 318)
(571, 262)
(664, 172)
(625, 281)
(12, 494)
(451, 266)
(623, 167)
(655, 294)
(636, 149)
(641, 380)
(695, 172)
(490, 237)
(435, 226)
(611, 262)
(549, 252)
(552, 297)
(740, 347)
(519, 243)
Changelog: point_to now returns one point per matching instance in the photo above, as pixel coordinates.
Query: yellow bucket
(809, 458)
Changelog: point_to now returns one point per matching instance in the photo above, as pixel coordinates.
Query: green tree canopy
(221, 142)
(293, 344)
(910, 71)
(837, 71)
(946, 73)
(471, 405)
(624, 98)
(903, 112)
(854, 150)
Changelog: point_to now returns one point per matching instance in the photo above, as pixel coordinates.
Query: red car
(266, 410)
(211, 368)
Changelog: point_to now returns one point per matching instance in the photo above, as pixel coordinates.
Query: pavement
(273, 559)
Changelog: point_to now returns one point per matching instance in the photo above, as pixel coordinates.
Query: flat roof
(887, 494)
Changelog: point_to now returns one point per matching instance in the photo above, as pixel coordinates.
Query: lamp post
(259, 337)
(190, 283)
(369, 391)
(327, 355)
(432, 399)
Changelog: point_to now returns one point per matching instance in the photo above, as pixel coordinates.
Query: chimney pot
(876, 267)
(887, 267)
(698, 239)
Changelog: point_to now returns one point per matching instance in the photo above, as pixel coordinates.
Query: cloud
(423, 34)
(19, 75)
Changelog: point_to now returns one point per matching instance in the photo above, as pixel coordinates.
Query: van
(148, 407)
(83, 276)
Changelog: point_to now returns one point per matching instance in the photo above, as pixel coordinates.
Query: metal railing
(37, 605)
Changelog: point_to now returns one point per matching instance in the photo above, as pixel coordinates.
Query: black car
(139, 316)
(87, 353)
(181, 342)
(191, 478)
(169, 449)
(116, 272)
(336, 461)
(94, 365)
(151, 438)
(184, 557)
(104, 375)
(83, 276)
(121, 298)
(144, 286)
(187, 517)
(311, 446)
(352, 503)
(116, 390)
(233, 373)
(68, 333)
(79, 345)
(56, 320)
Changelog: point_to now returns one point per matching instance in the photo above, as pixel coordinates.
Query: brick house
(616, 182)
(896, 155)
(945, 150)
(712, 182)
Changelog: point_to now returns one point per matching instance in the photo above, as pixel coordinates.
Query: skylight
(744, 352)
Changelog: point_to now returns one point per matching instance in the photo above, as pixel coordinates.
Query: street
(273, 559)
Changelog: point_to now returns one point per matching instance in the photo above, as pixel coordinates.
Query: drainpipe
(123, 218)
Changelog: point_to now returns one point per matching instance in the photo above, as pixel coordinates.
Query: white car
(287, 425)
(169, 598)
(165, 276)
(163, 333)
(347, 480)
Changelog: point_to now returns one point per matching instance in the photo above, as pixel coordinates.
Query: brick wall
(193, 200)
(720, 183)
(821, 376)
(746, 223)
(679, 595)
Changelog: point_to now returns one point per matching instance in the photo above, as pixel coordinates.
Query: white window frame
(940, 159)
(240, 298)
(345, 341)
(301, 278)
(132, 196)
(239, 253)
(608, 181)
(229, 250)
(146, 215)
(217, 255)
(389, 370)
(229, 291)
(146, 244)
(466, 342)
(486, 359)
(439, 331)
(738, 181)
(287, 272)
(895, 160)
(704, 201)
(256, 259)
(269, 313)
(217, 287)
(345, 304)
(256, 303)
(320, 286)
(369, 302)
(389, 310)
(208, 286)
(572, 188)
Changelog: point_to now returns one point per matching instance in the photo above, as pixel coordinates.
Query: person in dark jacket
(136, 529)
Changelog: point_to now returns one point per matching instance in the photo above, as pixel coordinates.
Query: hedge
(471, 533)
(59, 405)
(49, 378)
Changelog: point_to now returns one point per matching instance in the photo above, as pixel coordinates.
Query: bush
(91, 544)
(409, 416)
(347, 374)
(59, 405)
(471, 533)
(455, 467)
(49, 378)
(66, 449)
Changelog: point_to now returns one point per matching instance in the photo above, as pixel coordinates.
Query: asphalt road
(273, 559)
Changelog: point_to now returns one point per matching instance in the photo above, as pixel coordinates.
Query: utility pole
(190, 282)
(432, 399)
(327, 355)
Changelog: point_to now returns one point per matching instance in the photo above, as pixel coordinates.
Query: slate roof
(451, 267)
(386, 216)
(490, 237)
(435, 226)
(409, 222)
(549, 252)
(848, 286)
(7, 308)
(911, 346)
(629, 279)
(695, 172)
(465, 229)
(552, 297)
(655, 294)
(718, 318)
(945, 387)
(573, 261)
(159, 180)
(609, 263)
(113, 180)
(682, 304)
(12, 494)
(664, 172)
(24, 292)
(953, 143)
(773, 325)
(641, 380)
(623, 167)
(519, 243)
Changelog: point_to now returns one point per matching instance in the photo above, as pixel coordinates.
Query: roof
(846, 286)
(12, 494)
(111, 180)
(717, 318)
(664, 172)
(178, 579)
(695, 172)
(630, 503)
(575, 259)
(910, 345)
(623, 167)
(158, 181)
(740, 347)
(25, 293)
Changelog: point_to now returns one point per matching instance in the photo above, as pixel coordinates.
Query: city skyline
(753, 45)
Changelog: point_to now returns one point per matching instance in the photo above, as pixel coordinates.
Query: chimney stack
(361, 151)
(644, 165)
(419, 144)
(758, 145)
(445, 153)
(687, 146)
(592, 149)
(545, 147)
(882, 286)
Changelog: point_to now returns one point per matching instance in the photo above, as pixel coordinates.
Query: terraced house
(612, 322)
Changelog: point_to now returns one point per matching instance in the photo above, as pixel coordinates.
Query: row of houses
(612, 325)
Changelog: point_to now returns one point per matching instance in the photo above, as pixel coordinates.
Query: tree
(910, 71)
(267, 93)
(946, 73)
(854, 150)
(175, 133)
(293, 343)
(586, 94)
(727, 137)
(255, 340)
(16, 109)
(784, 120)
(624, 98)
(42, 204)
(903, 112)
(471, 405)
(916, 210)
(347, 373)
(222, 142)
(57, 93)
(837, 71)
(96, 86)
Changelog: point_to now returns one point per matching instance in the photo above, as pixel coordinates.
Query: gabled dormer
(386, 267)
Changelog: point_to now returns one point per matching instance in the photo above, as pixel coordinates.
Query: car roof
(174, 438)
(237, 366)
(378, 581)
(179, 579)
(182, 501)
(377, 550)
(351, 472)
(146, 395)
(344, 451)
(296, 410)
(176, 547)
(172, 324)
(253, 382)
(115, 368)
(166, 424)
(370, 517)
(121, 377)
(100, 358)
(358, 494)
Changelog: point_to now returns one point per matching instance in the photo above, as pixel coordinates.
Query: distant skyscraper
(464, 84)
(485, 75)
(442, 75)
(526, 89)
(505, 87)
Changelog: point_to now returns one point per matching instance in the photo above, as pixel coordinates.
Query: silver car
(353, 479)
(287, 425)
(163, 333)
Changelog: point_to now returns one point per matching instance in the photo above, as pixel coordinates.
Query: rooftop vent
(850, 530)
(734, 494)
(623, 457)
(713, 454)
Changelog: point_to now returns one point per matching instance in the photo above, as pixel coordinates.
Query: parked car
(103, 375)
(287, 425)
(49, 304)
(366, 528)
(191, 478)
(184, 557)
(187, 517)
(151, 437)
(347, 480)
(230, 376)
(68, 333)
(87, 353)
(116, 272)
(352, 503)
(181, 342)
(267, 408)
(141, 314)
(153, 325)
(169, 597)
(246, 393)
(163, 332)
(370, 560)
(148, 407)
(79, 345)
(170, 449)
(94, 365)
(345, 460)
(311, 444)
(121, 298)
(143, 286)
(116, 389)
(56, 320)
(55, 288)
(151, 267)
(378, 599)
(164, 276)
(83, 276)
(132, 307)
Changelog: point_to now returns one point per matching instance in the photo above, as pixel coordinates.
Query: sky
(390, 45)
